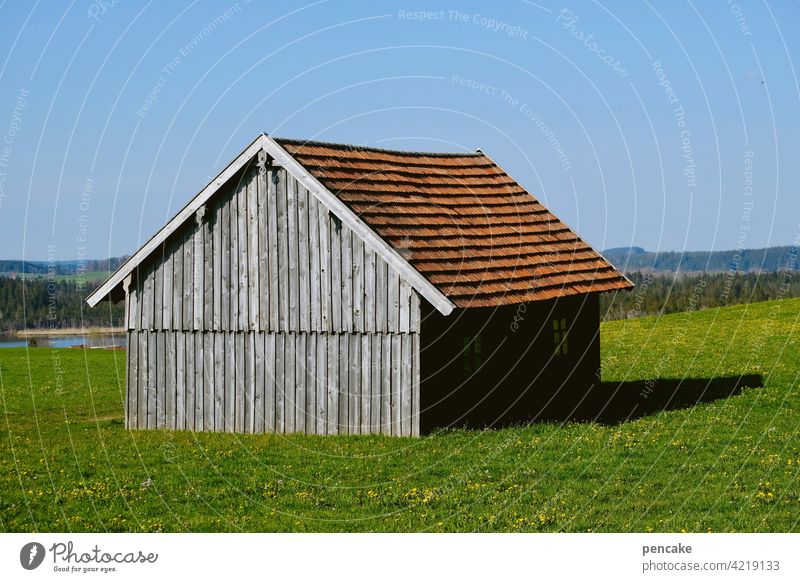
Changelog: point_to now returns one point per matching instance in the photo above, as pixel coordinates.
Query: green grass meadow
(732, 463)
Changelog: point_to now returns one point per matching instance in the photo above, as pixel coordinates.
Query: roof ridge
(365, 148)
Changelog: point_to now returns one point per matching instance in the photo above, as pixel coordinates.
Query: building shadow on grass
(608, 403)
(617, 402)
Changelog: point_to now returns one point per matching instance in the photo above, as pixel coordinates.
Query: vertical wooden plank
(145, 298)
(283, 252)
(314, 270)
(230, 381)
(144, 371)
(197, 276)
(311, 384)
(176, 293)
(366, 381)
(294, 284)
(375, 384)
(280, 382)
(393, 301)
(191, 380)
(332, 412)
(218, 348)
(132, 389)
(224, 253)
(235, 284)
(126, 317)
(208, 271)
(158, 288)
(155, 407)
(358, 282)
(209, 387)
(406, 383)
(321, 382)
(188, 280)
(335, 230)
(354, 396)
(160, 380)
(152, 378)
(303, 260)
(415, 316)
(247, 384)
(139, 276)
(133, 308)
(269, 376)
(263, 252)
(344, 384)
(141, 289)
(180, 380)
(381, 295)
(386, 384)
(241, 246)
(132, 419)
(289, 383)
(300, 382)
(241, 385)
(251, 404)
(369, 290)
(253, 256)
(217, 251)
(405, 305)
(259, 412)
(126, 414)
(396, 386)
(147, 301)
(166, 316)
(169, 372)
(199, 378)
(347, 280)
(415, 385)
(272, 236)
(324, 267)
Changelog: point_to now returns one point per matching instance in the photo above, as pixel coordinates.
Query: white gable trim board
(281, 158)
(183, 215)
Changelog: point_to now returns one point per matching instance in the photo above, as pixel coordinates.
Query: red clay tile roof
(462, 222)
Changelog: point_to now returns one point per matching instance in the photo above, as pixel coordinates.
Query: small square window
(560, 336)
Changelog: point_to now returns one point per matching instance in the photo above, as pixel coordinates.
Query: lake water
(64, 341)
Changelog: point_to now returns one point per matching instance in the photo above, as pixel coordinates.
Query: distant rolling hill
(771, 259)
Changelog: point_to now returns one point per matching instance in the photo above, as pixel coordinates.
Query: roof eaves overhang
(598, 253)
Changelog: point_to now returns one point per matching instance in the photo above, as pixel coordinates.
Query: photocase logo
(31, 555)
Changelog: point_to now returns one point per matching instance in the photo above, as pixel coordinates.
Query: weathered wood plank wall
(256, 397)
(267, 314)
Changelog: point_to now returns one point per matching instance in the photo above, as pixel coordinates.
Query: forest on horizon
(38, 300)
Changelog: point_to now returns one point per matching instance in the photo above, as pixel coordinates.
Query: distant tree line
(42, 303)
(60, 267)
(632, 259)
(669, 293)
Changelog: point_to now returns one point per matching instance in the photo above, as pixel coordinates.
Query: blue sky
(667, 125)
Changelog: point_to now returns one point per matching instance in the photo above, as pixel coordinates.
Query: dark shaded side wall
(499, 366)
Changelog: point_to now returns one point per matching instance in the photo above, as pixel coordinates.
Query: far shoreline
(57, 331)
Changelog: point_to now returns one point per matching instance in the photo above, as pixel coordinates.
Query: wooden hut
(333, 289)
